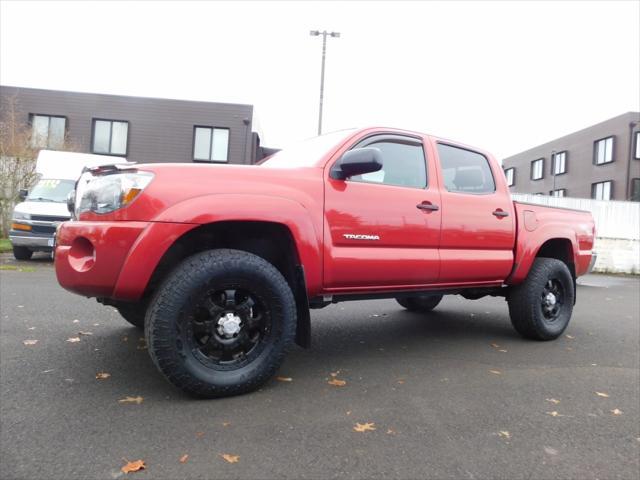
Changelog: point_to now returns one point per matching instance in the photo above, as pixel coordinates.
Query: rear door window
(465, 171)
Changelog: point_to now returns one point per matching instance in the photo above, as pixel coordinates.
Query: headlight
(107, 193)
(21, 216)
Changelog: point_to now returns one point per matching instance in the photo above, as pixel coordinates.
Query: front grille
(43, 229)
(48, 218)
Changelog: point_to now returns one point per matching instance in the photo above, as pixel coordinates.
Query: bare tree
(18, 153)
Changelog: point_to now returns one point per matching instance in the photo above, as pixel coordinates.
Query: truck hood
(54, 209)
(176, 183)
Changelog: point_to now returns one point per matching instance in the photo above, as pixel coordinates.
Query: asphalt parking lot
(456, 394)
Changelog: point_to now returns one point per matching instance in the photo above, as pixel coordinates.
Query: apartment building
(139, 128)
(600, 162)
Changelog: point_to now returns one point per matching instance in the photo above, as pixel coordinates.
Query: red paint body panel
(462, 244)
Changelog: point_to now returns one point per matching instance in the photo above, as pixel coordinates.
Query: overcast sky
(501, 76)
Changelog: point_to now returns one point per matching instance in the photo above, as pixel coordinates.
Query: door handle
(500, 213)
(428, 206)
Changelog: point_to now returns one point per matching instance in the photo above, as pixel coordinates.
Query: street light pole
(324, 33)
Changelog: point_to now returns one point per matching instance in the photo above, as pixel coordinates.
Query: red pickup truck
(220, 264)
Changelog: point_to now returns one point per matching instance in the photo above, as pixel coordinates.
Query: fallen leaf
(502, 350)
(30, 342)
(550, 451)
(496, 372)
(495, 345)
(615, 411)
(284, 379)
(137, 400)
(184, 458)
(364, 427)
(553, 400)
(230, 458)
(102, 375)
(401, 381)
(199, 434)
(554, 414)
(348, 412)
(602, 394)
(96, 324)
(226, 424)
(391, 431)
(504, 433)
(76, 321)
(31, 328)
(85, 333)
(133, 466)
(337, 383)
(335, 374)
(73, 339)
(570, 337)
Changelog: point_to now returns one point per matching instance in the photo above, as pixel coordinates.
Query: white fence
(617, 229)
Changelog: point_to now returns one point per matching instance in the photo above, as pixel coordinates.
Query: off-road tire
(22, 253)
(421, 303)
(526, 301)
(167, 326)
(134, 313)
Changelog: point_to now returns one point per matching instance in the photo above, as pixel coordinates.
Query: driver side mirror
(23, 193)
(357, 162)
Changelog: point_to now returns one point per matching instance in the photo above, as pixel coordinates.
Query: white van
(44, 207)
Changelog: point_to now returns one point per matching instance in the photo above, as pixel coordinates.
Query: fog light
(82, 255)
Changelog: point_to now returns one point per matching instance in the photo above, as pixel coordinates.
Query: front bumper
(90, 255)
(35, 242)
(112, 259)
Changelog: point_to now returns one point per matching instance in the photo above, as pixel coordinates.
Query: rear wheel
(221, 324)
(22, 253)
(420, 303)
(540, 308)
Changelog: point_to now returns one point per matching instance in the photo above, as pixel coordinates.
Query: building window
(637, 155)
(602, 190)
(110, 137)
(603, 151)
(48, 131)
(559, 162)
(561, 192)
(635, 190)
(210, 144)
(510, 174)
(537, 169)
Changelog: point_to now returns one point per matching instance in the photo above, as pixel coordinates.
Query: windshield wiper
(42, 199)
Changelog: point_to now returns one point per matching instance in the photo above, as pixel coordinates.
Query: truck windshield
(51, 190)
(307, 152)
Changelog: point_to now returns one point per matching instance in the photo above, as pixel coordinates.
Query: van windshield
(51, 190)
(307, 152)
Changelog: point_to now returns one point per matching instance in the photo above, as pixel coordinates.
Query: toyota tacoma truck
(221, 264)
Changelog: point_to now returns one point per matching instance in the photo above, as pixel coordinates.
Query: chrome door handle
(428, 206)
(500, 213)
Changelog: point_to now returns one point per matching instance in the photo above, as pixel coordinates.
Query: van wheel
(420, 303)
(221, 323)
(133, 313)
(22, 253)
(540, 308)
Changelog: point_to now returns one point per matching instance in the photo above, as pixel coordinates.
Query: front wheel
(133, 313)
(221, 323)
(540, 308)
(420, 303)
(22, 253)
